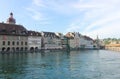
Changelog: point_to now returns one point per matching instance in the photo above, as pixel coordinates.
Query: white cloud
(35, 12)
(110, 30)
(36, 15)
(92, 16)
(38, 3)
(104, 20)
(73, 27)
(99, 17)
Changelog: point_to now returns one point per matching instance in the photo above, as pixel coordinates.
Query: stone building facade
(74, 38)
(51, 40)
(34, 41)
(13, 37)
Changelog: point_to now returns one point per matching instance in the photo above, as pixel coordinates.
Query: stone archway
(13, 49)
(36, 48)
(17, 49)
(21, 49)
(26, 48)
(3, 49)
(8, 49)
(32, 49)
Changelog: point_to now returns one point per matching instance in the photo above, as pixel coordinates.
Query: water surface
(87, 64)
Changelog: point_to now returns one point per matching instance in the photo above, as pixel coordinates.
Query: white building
(86, 42)
(50, 40)
(59, 36)
(79, 41)
(34, 40)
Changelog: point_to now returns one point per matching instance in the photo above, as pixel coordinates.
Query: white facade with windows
(34, 40)
(51, 40)
(86, 42)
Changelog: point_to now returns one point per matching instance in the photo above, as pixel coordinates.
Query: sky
(88, 17)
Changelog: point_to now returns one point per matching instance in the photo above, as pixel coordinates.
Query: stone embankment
(114, 47)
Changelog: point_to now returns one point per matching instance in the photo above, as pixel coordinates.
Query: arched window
(21, 42)
(3, 42)
(17, 43)
(13, 43)
(8, 42)
(25, 43)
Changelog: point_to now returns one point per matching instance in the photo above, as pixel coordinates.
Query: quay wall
(113, 48)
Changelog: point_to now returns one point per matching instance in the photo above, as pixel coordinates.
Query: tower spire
(11, 14)
(11, 20)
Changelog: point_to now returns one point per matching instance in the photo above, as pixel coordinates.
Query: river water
(85, 64)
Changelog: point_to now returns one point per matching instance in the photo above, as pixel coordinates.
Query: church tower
(98, 42)
(11, 20)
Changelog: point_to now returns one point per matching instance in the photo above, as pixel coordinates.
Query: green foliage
(109, 40)
(106, 42)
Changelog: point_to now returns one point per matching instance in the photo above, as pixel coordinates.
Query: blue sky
(88, 17)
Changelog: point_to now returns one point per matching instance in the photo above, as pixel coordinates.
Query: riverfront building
(34, 41)
(13, 37)
(78, 41)
(86, 42)
(74, 40)
(51, 40)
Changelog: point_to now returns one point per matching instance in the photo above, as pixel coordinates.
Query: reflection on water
(90, 64)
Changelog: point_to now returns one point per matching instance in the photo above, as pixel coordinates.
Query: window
(13, 43)
(3, 42)
(3, 30)
(13, 31)
(8, 42)
(17, 43)
(25, 43)
(22, 43)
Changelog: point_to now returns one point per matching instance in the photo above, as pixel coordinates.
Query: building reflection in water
(82, 64)
(12, 65)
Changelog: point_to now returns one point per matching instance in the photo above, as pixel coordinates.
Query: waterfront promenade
(114, 47)
(84, 64)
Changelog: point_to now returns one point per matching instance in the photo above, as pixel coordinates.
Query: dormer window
(23, 32)
(3, 30)
(13, 31)
(31, 33)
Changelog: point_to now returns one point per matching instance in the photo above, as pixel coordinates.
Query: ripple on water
(90, 64)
